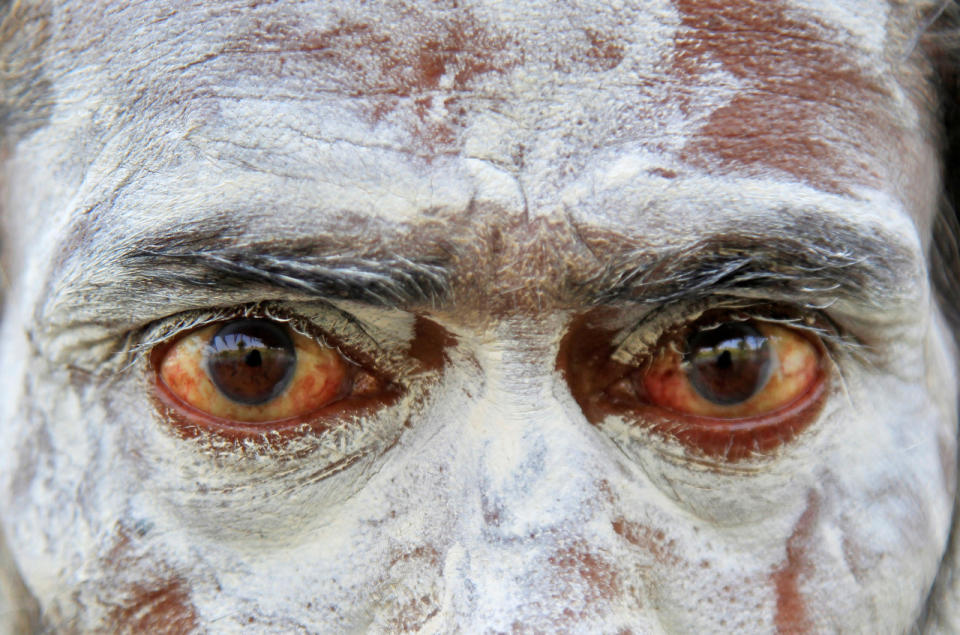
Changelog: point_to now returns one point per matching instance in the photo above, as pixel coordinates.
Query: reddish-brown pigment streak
(412, 614)
(396, 69)
(430, 344)
(654, 542)
(162, 608)
(585, 584)
(158, 604)
(599, 575)
(791, 614)
(663, 173)
(805, 102)
(606, 52)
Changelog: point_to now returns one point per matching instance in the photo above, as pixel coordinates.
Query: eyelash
(637, 343)
(167, 329)
(641, 339)
(358, 430)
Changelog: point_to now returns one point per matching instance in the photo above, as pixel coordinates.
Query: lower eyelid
(189, 422)
(744, 438)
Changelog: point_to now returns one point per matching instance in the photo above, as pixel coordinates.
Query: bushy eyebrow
(813, 259)
(387, 280)
(819, 262)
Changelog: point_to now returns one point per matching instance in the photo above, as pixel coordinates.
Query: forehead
(523, 134)
(816, 92)
(596, 111)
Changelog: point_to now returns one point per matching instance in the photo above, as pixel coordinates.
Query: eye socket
(727, 385)
(257, 375)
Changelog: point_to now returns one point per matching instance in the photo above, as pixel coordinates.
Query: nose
(537, 544)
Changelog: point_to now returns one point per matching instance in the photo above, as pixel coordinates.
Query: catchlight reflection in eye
(250, 361)
(255, 371)
(728, 364)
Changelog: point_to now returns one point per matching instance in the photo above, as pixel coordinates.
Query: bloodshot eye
(729, 363)
(732, 386)
(251, 376)
(731, 372)
(727, 386)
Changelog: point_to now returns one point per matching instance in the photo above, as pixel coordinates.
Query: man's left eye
(728, 385)
(254, 373)
(732, 369)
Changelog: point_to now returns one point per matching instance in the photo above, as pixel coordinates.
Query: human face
(502, 213)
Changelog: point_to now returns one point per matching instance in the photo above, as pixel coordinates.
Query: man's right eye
(257, 376)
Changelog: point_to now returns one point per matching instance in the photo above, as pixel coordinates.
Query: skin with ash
(479, 316)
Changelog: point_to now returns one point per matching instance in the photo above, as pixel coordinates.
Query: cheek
(146, 595)
(880, 520)
(694, 578)
(64, 485)
(870, 527)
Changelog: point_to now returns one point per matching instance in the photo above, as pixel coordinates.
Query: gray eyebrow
(810, 259)
(390, 280)
(814, 262)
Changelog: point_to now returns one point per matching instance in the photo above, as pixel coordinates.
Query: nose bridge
(530, 431)
(539, 549)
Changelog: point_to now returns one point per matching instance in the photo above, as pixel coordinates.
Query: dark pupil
(728, 364)
(251, 361)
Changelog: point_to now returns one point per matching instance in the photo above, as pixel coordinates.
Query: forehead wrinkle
(537, 90)
(541, 248)
(250, 86)
(810, 112)
(425, 83)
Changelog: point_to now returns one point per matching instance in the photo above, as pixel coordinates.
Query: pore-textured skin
(532, 165)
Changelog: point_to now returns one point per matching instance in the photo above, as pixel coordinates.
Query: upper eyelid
(642, 337)
(168, 328)
(645, 334)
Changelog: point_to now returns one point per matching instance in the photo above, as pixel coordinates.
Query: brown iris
(251, 361)
(729, 363)
(725, 385)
